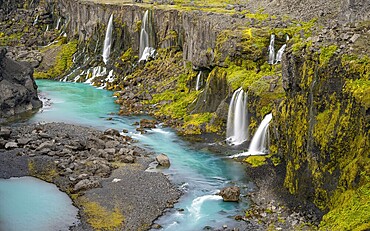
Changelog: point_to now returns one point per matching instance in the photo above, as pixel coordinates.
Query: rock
(5, 133)
(111, 132)
(156, 226)
(354, 38)
(18, 90)
(128, 159)
(23, 141)
(163, 160)
(85, 184)
(111, 144)
(145, 123)
(11, 145)
(230, 193)
(45, 145)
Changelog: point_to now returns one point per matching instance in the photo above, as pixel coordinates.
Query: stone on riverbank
(230, 193)
(163, 160)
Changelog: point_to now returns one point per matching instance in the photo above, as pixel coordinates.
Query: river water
(198, 172)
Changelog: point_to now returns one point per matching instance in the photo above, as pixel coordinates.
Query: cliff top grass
(217, 6)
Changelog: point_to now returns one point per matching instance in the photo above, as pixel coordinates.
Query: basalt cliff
(318, 93)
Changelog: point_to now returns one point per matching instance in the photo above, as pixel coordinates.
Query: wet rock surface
(80, 160)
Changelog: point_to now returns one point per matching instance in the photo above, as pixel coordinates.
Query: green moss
(324, 130)
(192, 123)
(326, 53)
(256, 161)
(127, 55)
(63, 61)
(45, 172)
(351, 211)
(101, 218)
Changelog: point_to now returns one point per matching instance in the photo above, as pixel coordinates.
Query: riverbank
(103, 172)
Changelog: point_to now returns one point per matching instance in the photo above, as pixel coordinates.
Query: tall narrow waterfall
(108, 40)
(259, 144)
(279, 54)
(58, 24)
(144, 36)
(272, 50)
(197, 86)
(146, 49)
(237, 120)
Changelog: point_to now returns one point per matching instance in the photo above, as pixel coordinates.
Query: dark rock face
(18, 90)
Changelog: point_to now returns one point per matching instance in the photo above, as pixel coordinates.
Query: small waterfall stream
(108, 40)
(272, 50)
(197, 86)
(259, 143)
(279, 54)
(237, 119)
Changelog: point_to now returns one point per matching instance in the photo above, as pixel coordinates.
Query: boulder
(145, 123)
(11, 145)
(18, 90)
(230, 193)
(128, 159)
(5, 132)
(111, 132)
(86, 184)
(163, 160)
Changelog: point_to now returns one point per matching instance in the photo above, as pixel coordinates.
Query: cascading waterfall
(145, 49)
(197, 86)
(272, 50)
(279, 54)
(58, 24)
(260, 140)
(144, 37)
(108, 40)
(237, 119)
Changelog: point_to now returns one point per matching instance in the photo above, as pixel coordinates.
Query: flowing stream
(198, 172)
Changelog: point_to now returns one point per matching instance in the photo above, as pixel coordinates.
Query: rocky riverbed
(99, 170)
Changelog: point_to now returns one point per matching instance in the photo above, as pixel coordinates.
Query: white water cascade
(237, 119)
(197, 86)
(108, 40)
(279, 54)
(144, 37)
(260, 140)
(272, 50)
(145, 49)
(259, 144)
(58, 24)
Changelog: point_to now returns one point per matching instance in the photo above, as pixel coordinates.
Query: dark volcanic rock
(18, 91)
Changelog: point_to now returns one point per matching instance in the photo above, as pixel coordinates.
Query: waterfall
(197, 86)
(36, 20)
(259, 144)
(108, 40)
(145, 47)
(58, 24)
(272, 50)
(144, 37)
(237, 119)
(279, 54)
